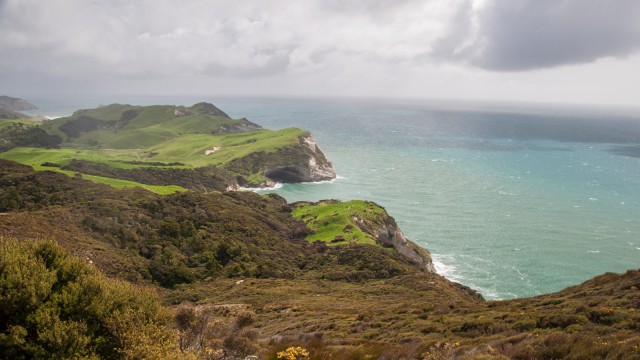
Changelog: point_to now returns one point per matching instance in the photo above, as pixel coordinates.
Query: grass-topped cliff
(241, 274)
(133, 143)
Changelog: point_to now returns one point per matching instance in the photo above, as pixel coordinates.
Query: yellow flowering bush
(293, 353)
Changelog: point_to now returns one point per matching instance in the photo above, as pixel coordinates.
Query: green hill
(166, 138)
(118, 126)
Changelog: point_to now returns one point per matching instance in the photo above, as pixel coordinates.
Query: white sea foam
(322, 182)
(274, 187)
(442, 268)
(442, 264)
(593, 251)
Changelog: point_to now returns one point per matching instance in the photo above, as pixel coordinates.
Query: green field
(35, 157)
(190, 149)
(123, 184)
(187, 149)
(329, 219)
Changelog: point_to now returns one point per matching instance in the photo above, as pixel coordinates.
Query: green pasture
(330, 218)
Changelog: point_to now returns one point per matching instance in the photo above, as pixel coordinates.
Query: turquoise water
(511, 201)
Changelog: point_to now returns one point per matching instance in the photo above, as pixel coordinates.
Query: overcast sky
(576, 51)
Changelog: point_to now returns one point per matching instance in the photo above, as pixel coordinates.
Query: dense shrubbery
(191, 236)
(204, 179)
(24, 135)
(55, 306)
(73, 128)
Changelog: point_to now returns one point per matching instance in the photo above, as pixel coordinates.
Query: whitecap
(442, 268)
(323, 181)
(593, 199)
(593, 251)
(269, 188)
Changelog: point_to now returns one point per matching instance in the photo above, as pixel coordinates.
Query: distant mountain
(15, 104)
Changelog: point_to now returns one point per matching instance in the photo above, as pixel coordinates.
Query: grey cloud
(514, 35)
(275, 63)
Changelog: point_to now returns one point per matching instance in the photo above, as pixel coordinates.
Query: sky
(565, 51)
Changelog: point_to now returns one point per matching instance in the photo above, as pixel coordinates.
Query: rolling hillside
(240, 275)
(167, 138)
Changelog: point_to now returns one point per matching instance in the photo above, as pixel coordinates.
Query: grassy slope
(7, 123)
(409, 315)
(187, 149)
(328, 219)
(152, 126)
(155, 134)
(35, 157)
(190, 149)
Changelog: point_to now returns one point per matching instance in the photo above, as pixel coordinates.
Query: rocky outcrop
(309, 165)
(392, 236)
(15, 104)
(387, 234)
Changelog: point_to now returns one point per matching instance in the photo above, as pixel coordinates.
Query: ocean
(513, 200)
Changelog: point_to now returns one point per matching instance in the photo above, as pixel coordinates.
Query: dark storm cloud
(514, 35)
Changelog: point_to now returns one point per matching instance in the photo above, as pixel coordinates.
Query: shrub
(293, 353)
(55, 306)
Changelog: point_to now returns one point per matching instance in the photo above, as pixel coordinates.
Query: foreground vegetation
(56, 306)
(228, 275)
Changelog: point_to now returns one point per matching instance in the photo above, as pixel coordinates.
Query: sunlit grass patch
(335, 222)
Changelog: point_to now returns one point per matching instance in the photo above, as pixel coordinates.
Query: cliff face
(390, 235)
(387, 233)
(15, 104)
(310, 164)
